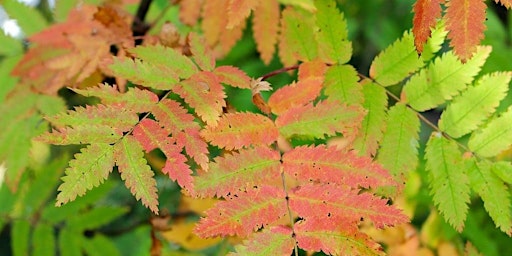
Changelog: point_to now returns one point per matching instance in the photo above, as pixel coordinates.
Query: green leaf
(10, 45)
(399, 146)
(82, 135)
(304, 4)
(273, 241)
(89, 169)
(297, 35)
(96, 217)
(134, 99)
(43, 186)
(20, 124)
(396, 62)
(135, 171)
(473, 106)
(57, 214)
(341, 84)
(449, 184)
(70, 242)
(29, 19)
(20, 236)
(495, 137)
(145, 73)
(442, 79)
(503, 170)
(371, 132)
(201, 53)
(114, 116)
(326, 118)
(333, 45)
(99, 245)
(434, 42)
(43, 240)
(166, 58)
(8, 82)
(493, 192)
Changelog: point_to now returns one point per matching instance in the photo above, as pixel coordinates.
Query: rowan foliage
(323, 163)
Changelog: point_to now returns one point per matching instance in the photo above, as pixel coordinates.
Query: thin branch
(279, 71)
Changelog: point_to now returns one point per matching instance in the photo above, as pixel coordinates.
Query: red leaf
(238, 130)
(426, 13)
(244, 214)
(340, 204)
(327, 164)
(194, 146)
(232, 174)
(321, 235)
(465, 22)
(151, 135)
(233, 76)
(176, 167)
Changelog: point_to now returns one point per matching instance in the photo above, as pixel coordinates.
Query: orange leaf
(238, 130)
(506, 3)
(190, 11)
(214, 20)
(426, 13)
(265, 24)
(239, 10)
(233, 76)
(465, 23)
